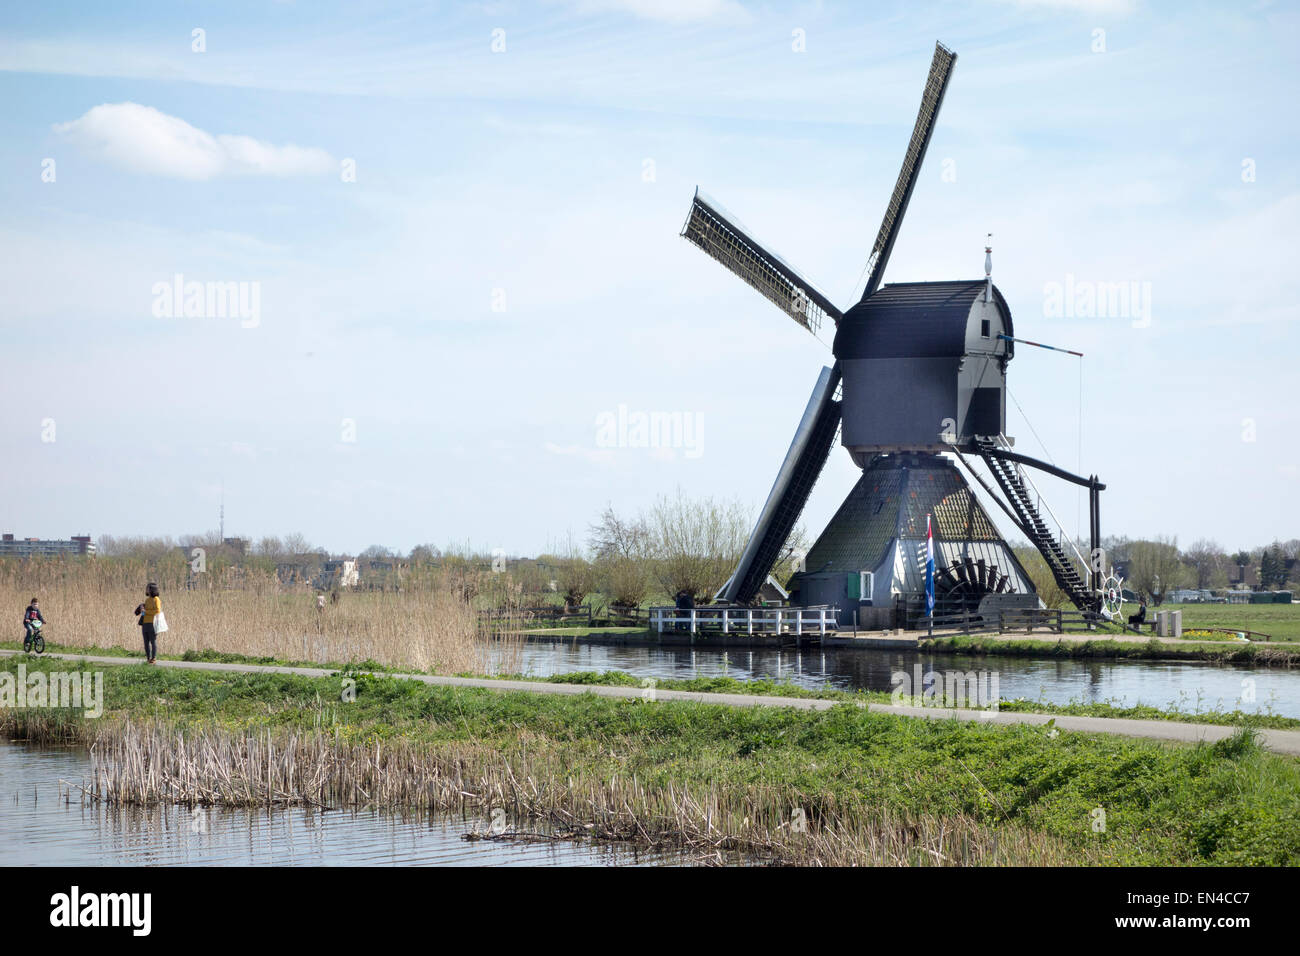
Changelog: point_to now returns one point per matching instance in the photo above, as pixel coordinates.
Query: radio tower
(221, 522)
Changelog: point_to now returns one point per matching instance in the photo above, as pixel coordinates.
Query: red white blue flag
(929, 568)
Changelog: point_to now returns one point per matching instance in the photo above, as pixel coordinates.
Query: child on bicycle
(30, 618)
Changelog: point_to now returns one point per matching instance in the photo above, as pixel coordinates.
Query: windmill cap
(915, 320)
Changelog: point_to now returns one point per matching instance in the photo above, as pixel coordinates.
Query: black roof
(913, 320)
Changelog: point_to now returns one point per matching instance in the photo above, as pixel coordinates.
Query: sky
(455, 231)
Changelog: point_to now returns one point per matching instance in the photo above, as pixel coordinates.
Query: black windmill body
(919, 374)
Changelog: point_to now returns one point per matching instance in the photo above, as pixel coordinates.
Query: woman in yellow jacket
(148, 611)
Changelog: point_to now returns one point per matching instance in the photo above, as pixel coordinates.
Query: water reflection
(43, 822)
(1189, 685)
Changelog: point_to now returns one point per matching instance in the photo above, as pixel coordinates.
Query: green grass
(1280, 621)
(730, 685)
(213, 657)
(1260, 654)
(1229, 804)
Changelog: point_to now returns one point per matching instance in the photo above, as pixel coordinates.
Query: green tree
(1242, 560)
(1272, 568)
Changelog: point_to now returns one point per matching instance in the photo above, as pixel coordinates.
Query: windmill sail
(794, 482)
(723, 238)
(935, 86)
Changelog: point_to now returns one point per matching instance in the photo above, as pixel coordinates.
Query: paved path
(1279, 741)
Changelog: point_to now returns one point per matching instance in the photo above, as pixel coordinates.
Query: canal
(1186, 685)
(45, 822)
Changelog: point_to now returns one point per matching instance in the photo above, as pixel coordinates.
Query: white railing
(745, 620)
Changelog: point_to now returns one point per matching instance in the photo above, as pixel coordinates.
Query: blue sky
(550, 179)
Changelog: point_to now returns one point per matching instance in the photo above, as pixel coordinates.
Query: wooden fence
(549, 614)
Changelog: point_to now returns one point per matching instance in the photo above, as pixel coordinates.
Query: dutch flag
(929, 568)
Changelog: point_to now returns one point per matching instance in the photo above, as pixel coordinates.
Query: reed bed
(433, 628)
(151, 763)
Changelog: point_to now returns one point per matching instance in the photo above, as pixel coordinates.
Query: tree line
(1154, 567)
(678, 544)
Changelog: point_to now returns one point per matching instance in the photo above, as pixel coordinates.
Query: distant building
(338, 572)
(301, 568)
(1246, 576)
(12, 547)
(382, 574)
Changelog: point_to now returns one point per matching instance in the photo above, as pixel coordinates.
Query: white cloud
(145, 140)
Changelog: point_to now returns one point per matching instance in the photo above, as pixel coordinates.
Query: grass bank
(730, 685)
(834, 786)
(1259, 655)
(1281, 622)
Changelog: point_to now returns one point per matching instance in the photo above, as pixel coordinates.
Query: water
(1187, 685)
(38, 828)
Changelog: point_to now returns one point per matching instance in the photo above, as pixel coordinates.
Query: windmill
(919, 374)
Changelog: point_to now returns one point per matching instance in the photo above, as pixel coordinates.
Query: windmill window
(984, 328)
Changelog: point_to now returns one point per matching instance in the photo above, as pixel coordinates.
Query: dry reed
(90, 603)
(152, 763)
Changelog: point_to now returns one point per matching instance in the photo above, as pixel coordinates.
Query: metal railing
(1083, 567)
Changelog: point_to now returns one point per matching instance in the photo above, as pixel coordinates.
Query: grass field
(1272, 654)
(836, 786)
(1280, 621)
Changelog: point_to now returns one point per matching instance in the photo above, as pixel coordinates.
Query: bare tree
(696, 544)
(1209, 560)
(575, 574)
(424, 554)
(269, 547)
(296, 543)
(621, 555)
(1155, 568)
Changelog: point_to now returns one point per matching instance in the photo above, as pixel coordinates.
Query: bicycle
(34, 640)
